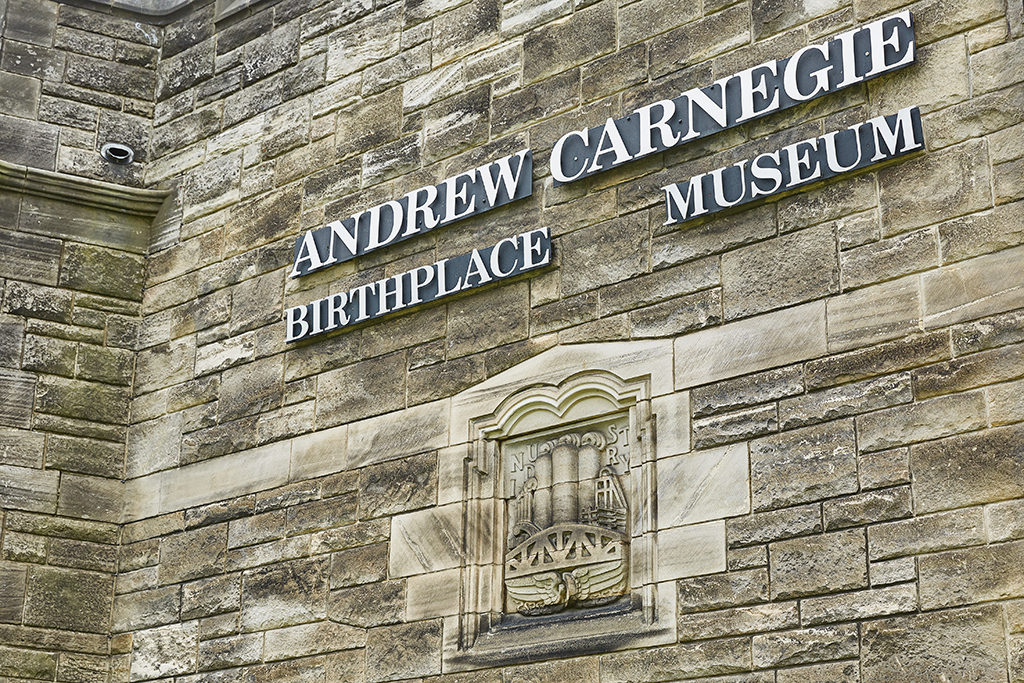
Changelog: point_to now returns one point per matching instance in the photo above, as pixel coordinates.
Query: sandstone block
(369, 605)
(465, 29)
(212, 596)
(522, 15)
(888, 572)
(699, 40)
(961, 645)
(487, 319)
(874, 314)
(17, 393)
(934, 187)
(803, 465)
(362, 564)
(716, 233)
(367, 388)
(21, 448)
(738, 621)
(27, 663)
(926, 534)
(621, 69)
(981, 286)
(721, 591)
(890, 258)
(364, 42)
(993, 575)
(818, 564)
(165, 651)
(881, 359)
(48, 355)
(284, 594)
(146, 609)
(427, 541)
(845, 400)
(987, 466)
(537, 101)
(805, 646)
(941, 80)
(31, 258)
(775, 525)
(456, 124)
(585, 35)
(780, 272)
(691, 550)
(859, 605)
(747, 391)
(69, 599)
(703, 485)
(736, 426)
(686, 660)
(762, 342)
(921, 421)
(404, 651)
(311, 639)
(230, 651)
(968, 372)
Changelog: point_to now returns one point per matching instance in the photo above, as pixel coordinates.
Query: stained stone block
(12, 592)
(456, 124)
(587, 34)
(844, 401)
(747, 391)
(310, 639)
(926, 534)
(27, 663)
(101, 271)
(888, 572)
(988, 466)
(364, 42)
(537, 101)
(369, 605)
(786, 270)
(607, 253)
(832, 672)
(993, 575)
(403, 651)
(934, 187)
(20, 95)
(29, 489)
(818, 564)
(68, 599)
(773, 17)
(960, 645)
(165, 651)
(116, 79)
(363, 564)
(86, 456)
(775, 525)
(889, 357)
(85, 400)
(487, 319)
(805, 646)
(803, 465)
(519, 16)
(21, 448)
(686, 660)
(392, 159)
(284, 594)
(50, 356)
(427, 541)
(193, 554)
(367, 388)
(230, 651)
(28, 143)
(29, 257)
(33, 301)
(887, 259)
(968, 372)
(212, 596)
(209, 187)
(738, 621)
(263, 219)
(921, 421)
(699, 40)
(465, 29)
(252, 388)
(879, 313)
(146, 608)
(720, 591)
(165, 364)
(972, 289)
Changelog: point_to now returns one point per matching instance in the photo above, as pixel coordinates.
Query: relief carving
(568, 540)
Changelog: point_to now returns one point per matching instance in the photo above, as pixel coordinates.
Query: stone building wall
(823, 388)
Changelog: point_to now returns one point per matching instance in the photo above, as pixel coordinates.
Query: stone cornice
(82, 191)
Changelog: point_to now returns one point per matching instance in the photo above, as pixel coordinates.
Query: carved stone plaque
(567, 543)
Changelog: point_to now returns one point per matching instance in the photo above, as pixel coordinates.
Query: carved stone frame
(487, 636)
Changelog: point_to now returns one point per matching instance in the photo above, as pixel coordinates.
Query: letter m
(680, 207)
(907, 121)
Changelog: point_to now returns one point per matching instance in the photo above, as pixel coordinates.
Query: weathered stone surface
(926, 534)
(310, 639)
(934, 187)
(775, 525)
(971, 289)
(987, 367)
(68, 599)
(369, 605)
(165, 651)
(786, 270)
(703, 485)
(691, 550)
(993, 575)
(859, 605)
(488, 318)
(687, 660)
(961, 645)
(583, 36)
(145, 609)
(284, 594)
(845, 400)
(699, 40)
(363, 564)
(805, 646)
(428, 541)
(888, 572)
(987, 467)
(465, 29)
(921, 421)
(866, 508)
(890, 258)
(208, 597)
(738, 621)
(747, 391)
(230, 651)
(367, 388)
(735, 426)
(719, 591)
(818, 564)
(874, 314)
(193, 554)
(404, 651)
(803, 465)
(537, 101)
(881, 359)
